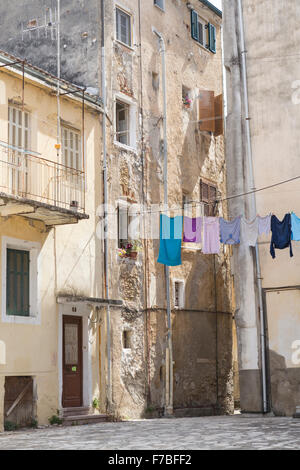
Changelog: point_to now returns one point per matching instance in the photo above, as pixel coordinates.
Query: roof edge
(212, 7)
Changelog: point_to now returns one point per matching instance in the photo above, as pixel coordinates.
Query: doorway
(72, 361)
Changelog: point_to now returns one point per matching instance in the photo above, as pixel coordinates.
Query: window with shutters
(160, 4)
(71, 148)
(123, 27)
(19, 141)
(178, 294)
(17, 283)
(18, 128)
(203, 32)
(208, 196)
(20, 281)
(210, 112)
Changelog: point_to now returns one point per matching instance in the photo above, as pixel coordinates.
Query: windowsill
(201, 46)
(125, 147)
(20, 320)
(130, 261)
(190, 248)
(130, 48)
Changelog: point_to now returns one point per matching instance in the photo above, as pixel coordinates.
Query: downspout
(144, 196)
(105, 191)
(251, 186)
(169, 349)
(58, 143)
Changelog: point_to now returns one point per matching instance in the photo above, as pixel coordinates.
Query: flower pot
(132, 255)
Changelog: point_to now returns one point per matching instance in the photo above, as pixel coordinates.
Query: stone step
(81, 410)
(77, 420)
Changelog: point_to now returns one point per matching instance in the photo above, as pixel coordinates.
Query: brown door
(72, 361)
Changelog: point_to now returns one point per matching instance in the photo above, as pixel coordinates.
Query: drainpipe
(251, 186)
(105, 191)
(58, 144)
(169, 348)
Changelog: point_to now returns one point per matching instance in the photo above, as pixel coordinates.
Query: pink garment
(211, 236)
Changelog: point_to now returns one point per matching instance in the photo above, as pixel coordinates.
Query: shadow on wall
(285, 386)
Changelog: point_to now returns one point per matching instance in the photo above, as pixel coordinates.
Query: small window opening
(126, 339)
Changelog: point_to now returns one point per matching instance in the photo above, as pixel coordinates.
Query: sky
(217, 3)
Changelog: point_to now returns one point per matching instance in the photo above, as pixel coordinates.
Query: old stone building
(262, 145)
(201, 288)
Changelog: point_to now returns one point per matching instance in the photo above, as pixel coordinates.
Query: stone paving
(215, 433)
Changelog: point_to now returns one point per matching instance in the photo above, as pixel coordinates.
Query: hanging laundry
(249, 231)
(230, 231)
(211, 236)
(193, 230)
(264, 224)
(295, 227)
(281, 234)
(170, 240)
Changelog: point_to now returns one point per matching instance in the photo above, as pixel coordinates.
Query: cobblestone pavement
(226, 432)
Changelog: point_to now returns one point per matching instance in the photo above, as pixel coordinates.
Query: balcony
(40, 189)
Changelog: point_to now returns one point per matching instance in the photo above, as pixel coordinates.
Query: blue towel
(170, 240)
(295, 227)
(281, 234)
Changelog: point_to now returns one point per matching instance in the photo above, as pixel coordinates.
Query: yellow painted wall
(69, 259)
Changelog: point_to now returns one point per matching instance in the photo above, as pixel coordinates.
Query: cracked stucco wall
(135, 74)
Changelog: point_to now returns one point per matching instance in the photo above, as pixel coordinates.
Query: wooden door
(72, 361)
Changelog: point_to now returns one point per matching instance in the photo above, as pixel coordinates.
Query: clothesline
(213, 203)
(212, 231)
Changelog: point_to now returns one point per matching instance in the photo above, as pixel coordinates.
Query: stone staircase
(81, 415)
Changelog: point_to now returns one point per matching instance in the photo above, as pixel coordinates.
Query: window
(122, 123)
(18, 138)
(155, 81)
(178, 292)
(202, 32)
(211, 114)
(17, 283)
(20, 281)
(128, 225)
(18, 128)
(208, 195)
(160, 4)
(123, 23)
(126, 339)
(123, 224)
(186, 97)
(71, 148)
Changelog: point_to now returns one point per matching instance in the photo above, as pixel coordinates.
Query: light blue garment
(170, 240)
(295, 227)
(230, 231)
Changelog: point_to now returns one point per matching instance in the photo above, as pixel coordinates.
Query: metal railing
(26, 174)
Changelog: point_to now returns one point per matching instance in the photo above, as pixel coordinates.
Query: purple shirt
(193, 230)
(211, 236)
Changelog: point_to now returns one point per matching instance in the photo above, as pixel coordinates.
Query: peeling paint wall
(273, 88)
(69, 260)
(135, 175)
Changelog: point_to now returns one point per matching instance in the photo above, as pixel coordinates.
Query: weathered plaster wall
(79, 37)
(273, 72)
(136, 175)
(69, 260)
(192, 155)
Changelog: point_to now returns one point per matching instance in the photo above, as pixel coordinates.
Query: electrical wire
(192, 204)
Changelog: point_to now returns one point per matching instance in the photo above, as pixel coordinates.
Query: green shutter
(17, 283)
(212, 38)
(194, 27)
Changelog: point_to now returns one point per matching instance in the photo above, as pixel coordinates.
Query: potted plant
(132, 249)
(186, 101)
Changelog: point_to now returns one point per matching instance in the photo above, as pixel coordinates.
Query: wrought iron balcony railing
(26, 174)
